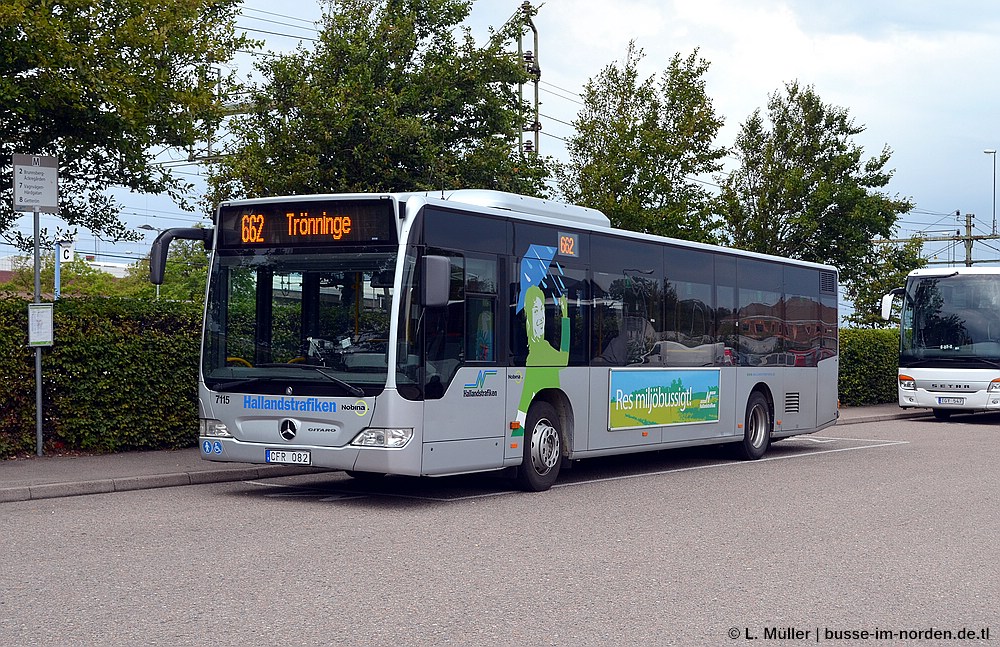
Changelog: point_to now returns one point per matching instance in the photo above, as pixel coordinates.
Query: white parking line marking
(738, 463)
(328, 496)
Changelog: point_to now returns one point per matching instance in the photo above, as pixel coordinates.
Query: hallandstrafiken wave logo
(478, 388)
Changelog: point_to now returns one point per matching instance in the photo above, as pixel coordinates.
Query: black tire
(365, 476)
(942, 414)
(542, 449)
(757, 426)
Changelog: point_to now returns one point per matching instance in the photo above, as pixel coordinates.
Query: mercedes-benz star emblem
(288, 429)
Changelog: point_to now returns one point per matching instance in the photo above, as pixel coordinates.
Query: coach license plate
(951, 400)
(287, 457)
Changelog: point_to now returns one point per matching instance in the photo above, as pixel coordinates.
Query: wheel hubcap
(544, 447)
(757, 426)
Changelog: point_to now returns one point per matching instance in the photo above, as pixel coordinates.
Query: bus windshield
(953, 318)
(291, 321)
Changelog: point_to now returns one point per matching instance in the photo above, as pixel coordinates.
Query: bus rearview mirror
(158, 252)
(436, 281)
(887, 302)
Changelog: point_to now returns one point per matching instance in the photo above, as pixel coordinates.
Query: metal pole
(38, 350)
(55, 282)
(993, 152)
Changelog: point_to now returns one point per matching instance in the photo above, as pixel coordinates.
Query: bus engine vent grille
(827, 283)
(792, 402)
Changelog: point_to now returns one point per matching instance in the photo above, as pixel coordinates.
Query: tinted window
(628, 301)
(459, 230)
(761, 313)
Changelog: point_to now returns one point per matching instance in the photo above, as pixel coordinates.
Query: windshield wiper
(232, 384)
(356, 391)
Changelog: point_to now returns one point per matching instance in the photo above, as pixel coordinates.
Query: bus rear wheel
(756, 428)
(542, 449)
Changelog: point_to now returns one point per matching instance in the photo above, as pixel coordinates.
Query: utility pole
(968, 239)
(530, 61)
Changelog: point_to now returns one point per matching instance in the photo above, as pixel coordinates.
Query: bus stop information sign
(35, 183)
(36, 189)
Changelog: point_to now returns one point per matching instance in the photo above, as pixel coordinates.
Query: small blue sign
(217, 447)
(206, 447)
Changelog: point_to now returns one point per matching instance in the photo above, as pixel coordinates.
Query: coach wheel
(542, 449)
(756, 427)
(942, 414)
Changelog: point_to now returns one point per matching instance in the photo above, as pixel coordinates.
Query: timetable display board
(313, 223)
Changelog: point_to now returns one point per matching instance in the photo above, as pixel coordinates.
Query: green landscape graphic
(644, 398)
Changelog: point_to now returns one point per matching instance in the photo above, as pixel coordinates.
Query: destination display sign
(314, 223)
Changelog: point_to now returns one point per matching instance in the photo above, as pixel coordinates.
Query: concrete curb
(902, 415)
(147, 482)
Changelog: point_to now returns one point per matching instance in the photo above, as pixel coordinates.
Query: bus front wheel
(756, 427)
(542, 449)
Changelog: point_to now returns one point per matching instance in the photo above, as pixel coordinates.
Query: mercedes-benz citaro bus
(467, 331)
(949, 353)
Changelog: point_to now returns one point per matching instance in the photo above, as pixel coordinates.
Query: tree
(802, 189)
(884, 270)
(76, 278)
(102, 85)
(184, 279)
(390, 99)
(640, 146)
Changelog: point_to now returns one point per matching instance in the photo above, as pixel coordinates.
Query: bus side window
(480, 308)
(480, 337)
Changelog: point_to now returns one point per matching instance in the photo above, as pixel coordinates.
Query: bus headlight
(393, 438)
(213, 427)
(907, 383)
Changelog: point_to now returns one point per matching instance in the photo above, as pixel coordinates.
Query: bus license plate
(287, 457)
(951, 400)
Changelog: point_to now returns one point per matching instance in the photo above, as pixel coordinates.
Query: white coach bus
(434, 334)
(949, 355)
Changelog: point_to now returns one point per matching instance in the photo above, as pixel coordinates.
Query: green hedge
(868, 366)
(122, 375)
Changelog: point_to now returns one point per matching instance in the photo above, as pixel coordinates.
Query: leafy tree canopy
(103, 85)
(802, 189)
(640, 145)
(395, 96)
(884, 270)
(185, 278)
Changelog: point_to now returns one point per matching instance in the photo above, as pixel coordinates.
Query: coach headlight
(390, 438)
(994, 386)
(214, 428)
(907, 383)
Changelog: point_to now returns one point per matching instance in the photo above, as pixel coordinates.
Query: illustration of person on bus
(544, 362)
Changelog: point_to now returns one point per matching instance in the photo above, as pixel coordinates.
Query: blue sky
(921, 76)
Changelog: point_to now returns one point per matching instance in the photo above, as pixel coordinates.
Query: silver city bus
(434, 334)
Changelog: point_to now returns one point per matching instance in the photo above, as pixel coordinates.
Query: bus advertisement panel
(653, 397)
